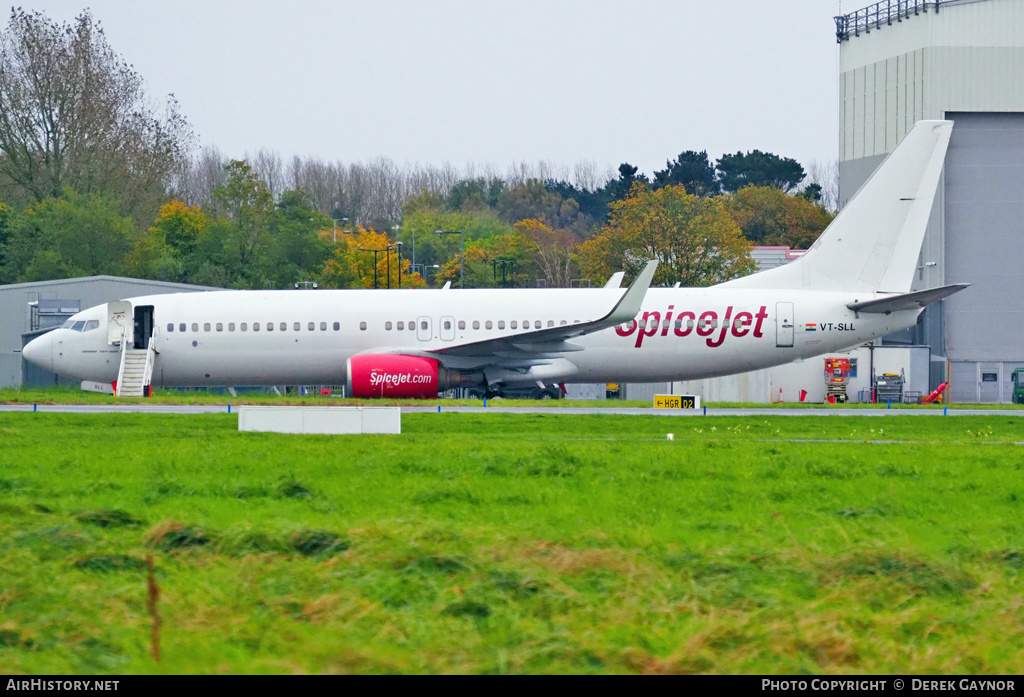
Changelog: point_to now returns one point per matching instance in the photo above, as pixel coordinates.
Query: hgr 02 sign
(676, 401)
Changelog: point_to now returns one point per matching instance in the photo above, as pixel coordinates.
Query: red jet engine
(377, 375)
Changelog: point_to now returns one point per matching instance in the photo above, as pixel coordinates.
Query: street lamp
(396, 228)
(388, 251)
(344, 220)
(462, 252)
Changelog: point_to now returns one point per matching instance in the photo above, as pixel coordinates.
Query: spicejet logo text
(706, 324)
(378, 379)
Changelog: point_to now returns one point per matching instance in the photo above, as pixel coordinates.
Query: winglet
(616, 280)
(629, 305)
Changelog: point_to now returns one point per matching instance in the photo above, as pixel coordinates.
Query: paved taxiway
(711, 411)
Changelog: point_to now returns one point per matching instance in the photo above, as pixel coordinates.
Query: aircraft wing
(547, 343)
(906, 301)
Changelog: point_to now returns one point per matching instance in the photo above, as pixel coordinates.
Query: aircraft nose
(39, 351)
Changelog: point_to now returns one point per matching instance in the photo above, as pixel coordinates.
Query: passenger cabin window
(244, 326)
(362, 326)
(270, 326)
(462, 324)
(206, 326)
(297, 326)
(536, 324)
(563, 322)
(412, 325)
(284, 326)
(513, 325)
(195, 326)
(181, 327)
(220, 326)
(488, 325)
(231, 326)
(337, 326)
(387, 326)
(551, 322)
(400, 326)
(447, 324)
(323, 326)
(170, 327)
(255, 326)
(476, 324)
(501, 324)
(424, 325)
(311, 326)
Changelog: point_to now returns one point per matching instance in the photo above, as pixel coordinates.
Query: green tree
(297, 247)
(241, 242)
(692, 170)
(74, 114)
(759, 169)
(694, 238)
(71, 236)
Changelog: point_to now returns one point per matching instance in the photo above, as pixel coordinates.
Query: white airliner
(852, 285)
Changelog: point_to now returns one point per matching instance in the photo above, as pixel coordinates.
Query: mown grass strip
(513, 543)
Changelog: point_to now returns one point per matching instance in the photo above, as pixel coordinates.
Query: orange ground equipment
(837, 377)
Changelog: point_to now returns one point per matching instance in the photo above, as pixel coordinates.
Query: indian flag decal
(810, 327)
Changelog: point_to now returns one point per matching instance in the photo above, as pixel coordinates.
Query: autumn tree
(767, 216)
(353, 263)
(695, 239)
(552, 251)
(74, 115)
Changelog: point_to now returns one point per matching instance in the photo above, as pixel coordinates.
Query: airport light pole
(462, 252)
(396, 228)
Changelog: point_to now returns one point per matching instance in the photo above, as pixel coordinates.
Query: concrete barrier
(326, 420)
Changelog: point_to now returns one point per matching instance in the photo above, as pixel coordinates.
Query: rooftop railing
(882, 13)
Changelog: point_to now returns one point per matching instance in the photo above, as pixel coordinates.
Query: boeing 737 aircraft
(852, 285)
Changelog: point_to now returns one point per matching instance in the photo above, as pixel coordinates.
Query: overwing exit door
(423, 331)
(784, 324)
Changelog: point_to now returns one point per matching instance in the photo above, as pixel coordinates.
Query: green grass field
(514, 543)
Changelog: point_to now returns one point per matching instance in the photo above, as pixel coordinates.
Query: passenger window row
(476, 324)
(244, 326)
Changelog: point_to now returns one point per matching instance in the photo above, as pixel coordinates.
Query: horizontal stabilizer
(906, 301)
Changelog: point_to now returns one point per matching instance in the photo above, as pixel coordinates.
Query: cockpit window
(91, 324)
(78, 326)
(67, 325)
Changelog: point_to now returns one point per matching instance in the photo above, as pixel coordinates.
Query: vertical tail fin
(874, 242)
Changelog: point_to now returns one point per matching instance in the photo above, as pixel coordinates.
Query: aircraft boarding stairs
(137, 339)
(136, 372)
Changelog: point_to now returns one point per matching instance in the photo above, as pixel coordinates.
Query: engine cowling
(377, 375)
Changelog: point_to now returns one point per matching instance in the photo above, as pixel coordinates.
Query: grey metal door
(990, 382)
(784, 324)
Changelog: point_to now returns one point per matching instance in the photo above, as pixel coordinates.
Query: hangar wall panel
(984, 204)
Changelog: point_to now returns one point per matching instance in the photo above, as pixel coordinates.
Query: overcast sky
(489, 81)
